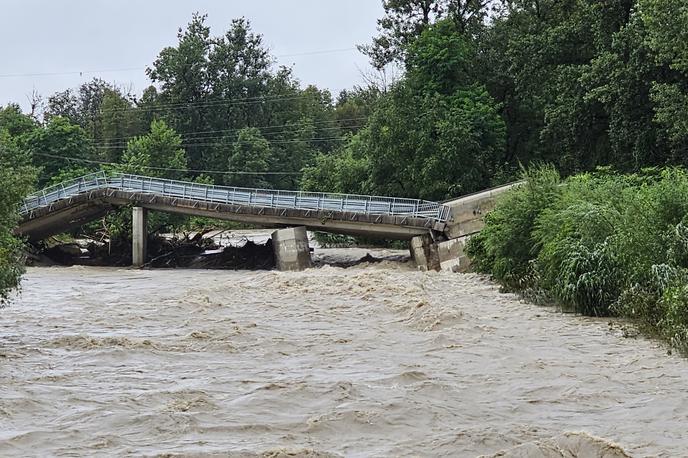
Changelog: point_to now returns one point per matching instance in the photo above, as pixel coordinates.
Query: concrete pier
(452, 255)
(291, 249)
(139, 236)
(424, 253)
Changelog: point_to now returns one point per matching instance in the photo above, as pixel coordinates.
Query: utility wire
(143, 67)
(208, 104)
(274, 137)
(221, 172)
(280, 128)
(183, 145)
(203, 104)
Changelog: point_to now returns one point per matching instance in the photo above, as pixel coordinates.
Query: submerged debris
(196, 252)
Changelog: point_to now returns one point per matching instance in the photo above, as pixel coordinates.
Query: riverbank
(373, 360)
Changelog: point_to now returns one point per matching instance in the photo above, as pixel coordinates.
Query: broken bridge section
(72, 204)
(437, 231)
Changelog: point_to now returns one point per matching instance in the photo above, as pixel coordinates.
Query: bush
(16, 180)
(506, 246)
(598, 243)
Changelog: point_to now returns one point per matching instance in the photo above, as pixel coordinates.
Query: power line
(271, 137)
(314, 53)
(143, 67)
(185, 145)
(221, 172)
(72, 72)
(207, 104)
(278, 127)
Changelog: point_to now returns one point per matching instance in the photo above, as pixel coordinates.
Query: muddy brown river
(374, 360)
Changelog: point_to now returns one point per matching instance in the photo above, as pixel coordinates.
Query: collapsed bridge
(72, 204)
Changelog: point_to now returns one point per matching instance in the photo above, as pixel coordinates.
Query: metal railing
(270, 198)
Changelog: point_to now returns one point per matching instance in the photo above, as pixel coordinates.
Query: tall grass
(599, 243)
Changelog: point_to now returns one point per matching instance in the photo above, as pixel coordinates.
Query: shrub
(598, 243)
(505, 248)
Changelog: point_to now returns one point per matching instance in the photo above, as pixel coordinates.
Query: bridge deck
(74, 203)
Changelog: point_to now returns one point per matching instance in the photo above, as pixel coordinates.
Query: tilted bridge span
(72, 204)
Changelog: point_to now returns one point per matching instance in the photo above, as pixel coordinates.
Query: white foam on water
(376, 360)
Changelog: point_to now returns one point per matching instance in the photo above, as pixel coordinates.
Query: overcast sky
(94, 36)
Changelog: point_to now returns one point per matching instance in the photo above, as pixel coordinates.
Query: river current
(374, 360)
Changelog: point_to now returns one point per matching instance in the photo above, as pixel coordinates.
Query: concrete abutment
(448, 255)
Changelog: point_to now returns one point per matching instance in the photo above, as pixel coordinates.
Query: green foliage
(343, 171)
(435, 135)
(16, 179)
(153, 153)
(57, 146)
(68, 174)
(405, 20)
(250, 153)
(598, 243)
(667, 33)
(506, 247)
(214, 87)
(439, 60)
(14, 122)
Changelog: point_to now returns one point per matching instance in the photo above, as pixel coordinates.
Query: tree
(434, 146)
(158, 153)
(57, 146)
(346, 170)
(212, 87)
(405, 20)
(119, 120)
(354, 106)
(16, 180)
(436, 134)
(250, 155)
(667, 31)
(14, 122)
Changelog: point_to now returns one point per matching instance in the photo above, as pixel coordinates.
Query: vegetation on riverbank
(599, 243)
(16, 179)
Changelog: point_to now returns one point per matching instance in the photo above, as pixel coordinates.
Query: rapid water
(376, 360)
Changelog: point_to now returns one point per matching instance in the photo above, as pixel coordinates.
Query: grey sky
(56, 36)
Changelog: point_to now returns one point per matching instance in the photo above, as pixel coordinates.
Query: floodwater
(374, 360)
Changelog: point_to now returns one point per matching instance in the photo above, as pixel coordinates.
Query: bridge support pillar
(291, 249)
(139, 236)
(452, 255)
(424, 252)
